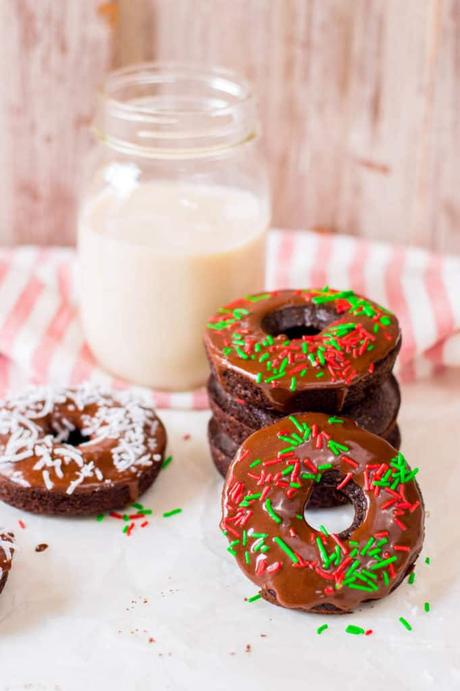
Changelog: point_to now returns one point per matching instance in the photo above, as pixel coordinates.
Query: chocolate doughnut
(377, 413)
(77, 451)
(268, 486)
(6, 556)
(302, 349)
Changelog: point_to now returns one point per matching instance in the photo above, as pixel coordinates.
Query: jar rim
(169, 106)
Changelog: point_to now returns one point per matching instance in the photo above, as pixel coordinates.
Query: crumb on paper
(41, 547)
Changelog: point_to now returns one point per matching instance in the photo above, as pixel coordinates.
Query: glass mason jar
(172, 220)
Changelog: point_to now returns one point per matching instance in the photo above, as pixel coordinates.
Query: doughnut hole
(345, 510)
(73, 437)
(76, 438)
(296, 322)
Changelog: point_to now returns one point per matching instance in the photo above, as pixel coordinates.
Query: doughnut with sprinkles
(77, 451)
(268, 486)
(298, 349)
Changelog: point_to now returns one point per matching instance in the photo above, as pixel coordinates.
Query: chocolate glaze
(118, 444)
(293, 319)
(303, 581)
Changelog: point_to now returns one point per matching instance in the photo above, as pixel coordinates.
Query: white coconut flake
(128, 425)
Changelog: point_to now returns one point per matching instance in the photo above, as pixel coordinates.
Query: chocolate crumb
(41, 547)
(248, 648)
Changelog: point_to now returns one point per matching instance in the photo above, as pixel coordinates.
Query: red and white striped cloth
(41, 339)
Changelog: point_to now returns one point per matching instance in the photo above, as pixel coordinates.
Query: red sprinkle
(345, 480)
(350, 461)
(22, 524)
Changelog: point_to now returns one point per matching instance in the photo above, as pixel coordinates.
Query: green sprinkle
(325, 466)
(318, 299)
(386, 579)
(165, 464)
(296, 423)
(368, 545)
(333, 420)
(126, 517)
(324, 530)
(382, 564)
(173, 512)
(299, 516)
(137, 506)
(229, 549)
(247, 558)
(241, 353)
(292, 556)
(426, 606)
(245, 538)
(322, 551)
(258, 544)
(125, 529)
(269, 509)
(322, 628)
(254, 463)
(405, 623)
(427, 560)
(287, 470)
(307, 476)
(411, 578)
(386, 321)
(319, 375)
(293, 384)
(259, 377)
(355, 630)
(257, 298)
(337, 448)
(100, 517)
(253, 598)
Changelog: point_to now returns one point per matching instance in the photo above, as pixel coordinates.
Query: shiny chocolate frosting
(290, 341)
(268, 487)
(77, 439)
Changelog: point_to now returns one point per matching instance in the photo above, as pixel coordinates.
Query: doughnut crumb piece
(273, 477)
(77, 451)
(6, 556)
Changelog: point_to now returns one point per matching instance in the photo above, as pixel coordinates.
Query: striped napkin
(41, 340)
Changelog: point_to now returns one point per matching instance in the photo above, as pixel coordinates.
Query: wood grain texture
(359, 100)
(54, 56)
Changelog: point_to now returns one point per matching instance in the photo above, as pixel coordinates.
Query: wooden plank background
(360, 103)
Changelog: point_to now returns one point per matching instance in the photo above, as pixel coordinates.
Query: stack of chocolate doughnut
(322, 350)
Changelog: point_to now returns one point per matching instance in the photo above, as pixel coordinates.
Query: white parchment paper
(165, 609)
